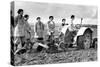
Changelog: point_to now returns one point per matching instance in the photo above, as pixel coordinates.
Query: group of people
(21, 30)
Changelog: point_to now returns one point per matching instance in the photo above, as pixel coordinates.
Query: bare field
(61, 57)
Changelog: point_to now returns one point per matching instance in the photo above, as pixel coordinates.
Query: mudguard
(81, 32)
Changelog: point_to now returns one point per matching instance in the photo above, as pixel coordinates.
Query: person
(72, 27)
(64, 22)
(70, 33)
(63, 26)
(19, 29)
(27, 27)
(51, 25)
(27, 33)
(39, 28)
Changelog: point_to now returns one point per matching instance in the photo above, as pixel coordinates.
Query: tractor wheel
(80, 42)
(94, 44)
(84, 41)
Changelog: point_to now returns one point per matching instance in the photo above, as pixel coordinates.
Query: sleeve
(54, 24)
(48, 25)
(28, 27)
(43, 26)
(36, 27)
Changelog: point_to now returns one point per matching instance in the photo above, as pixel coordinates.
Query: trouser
(19, 42)
(22, 40)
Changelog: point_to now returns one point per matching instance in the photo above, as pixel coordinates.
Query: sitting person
(70, 33)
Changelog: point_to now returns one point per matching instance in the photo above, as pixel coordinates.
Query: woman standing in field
(27, 27)
(19, 28)
(64, 22)
(64, 25)
(51, 25)
(39, 28)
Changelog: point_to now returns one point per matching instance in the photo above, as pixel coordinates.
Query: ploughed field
(71, 55)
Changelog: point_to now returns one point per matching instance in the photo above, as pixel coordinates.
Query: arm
(43, 26)
(54, 24)
(28, 27)
(36, 27)
(48, 25)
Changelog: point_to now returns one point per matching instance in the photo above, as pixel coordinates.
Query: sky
(59, 11)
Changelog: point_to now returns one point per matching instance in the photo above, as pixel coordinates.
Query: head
(38, 18)
(72, 17)
(20, 11)
(51, 18)
(26, 17)
(63, 20)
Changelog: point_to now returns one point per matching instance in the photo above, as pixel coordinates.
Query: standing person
(72, 26)
(27, 27)
(63, 27)
(64, 22)
(27, 33)
(19, 28)
(51, 25)
(39, 28)
(51, 31)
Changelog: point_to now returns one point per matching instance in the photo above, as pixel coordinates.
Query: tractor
(81, 37)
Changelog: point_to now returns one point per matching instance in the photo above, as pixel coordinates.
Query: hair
(72, 16)
(19, 10)
(51, 17)
(63, 19)
(26, 15)
(38, 18)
